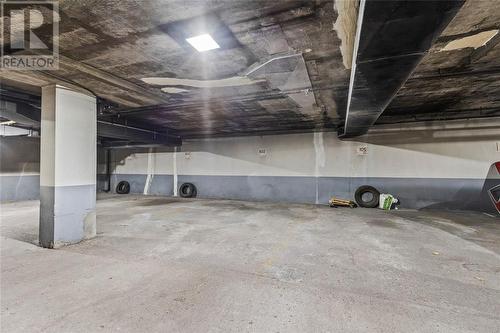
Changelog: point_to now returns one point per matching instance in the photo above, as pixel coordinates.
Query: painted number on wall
(362, 150)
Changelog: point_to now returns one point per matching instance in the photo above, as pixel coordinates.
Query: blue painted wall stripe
(443, 193)
(19, 187)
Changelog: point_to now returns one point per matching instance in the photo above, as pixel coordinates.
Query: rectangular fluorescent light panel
(203, 43)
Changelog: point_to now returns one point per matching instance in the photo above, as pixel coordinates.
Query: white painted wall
(129, 162)
(432, 153)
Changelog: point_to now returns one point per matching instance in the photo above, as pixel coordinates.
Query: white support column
(176, 177)
(67, 166)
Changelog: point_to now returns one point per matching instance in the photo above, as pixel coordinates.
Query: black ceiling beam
(392, 38)
(466, 71)
(24, 108)
(28, 112)
(436, 115)
(135, 135)
(125, 121)
(194, 103)
(15, 95)
(126, 145)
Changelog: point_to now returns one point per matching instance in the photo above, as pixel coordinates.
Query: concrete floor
(168, 265)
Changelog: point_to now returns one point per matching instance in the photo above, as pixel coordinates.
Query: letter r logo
(18, 29)
(29, 34)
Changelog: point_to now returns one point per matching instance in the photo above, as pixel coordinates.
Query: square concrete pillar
(67, 166)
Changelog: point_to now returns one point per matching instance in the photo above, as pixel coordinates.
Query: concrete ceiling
(459, 83)
(289, 71)
(113, 47)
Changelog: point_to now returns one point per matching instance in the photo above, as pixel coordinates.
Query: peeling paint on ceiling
(173, 90)
(221, 83)
(109, 46)
(345, 26)
(475, 41)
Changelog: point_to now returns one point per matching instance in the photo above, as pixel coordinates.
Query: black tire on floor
(187, 190)
(123, 187)
(367, 189)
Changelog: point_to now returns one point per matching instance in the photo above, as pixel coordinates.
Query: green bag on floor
(386, 201)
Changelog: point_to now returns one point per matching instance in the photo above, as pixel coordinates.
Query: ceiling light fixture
(203, 43)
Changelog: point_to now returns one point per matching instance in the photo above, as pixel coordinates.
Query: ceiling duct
(392, 38)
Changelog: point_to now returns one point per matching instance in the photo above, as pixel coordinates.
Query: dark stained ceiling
(456, 84)
(109, 47)
(288, 71)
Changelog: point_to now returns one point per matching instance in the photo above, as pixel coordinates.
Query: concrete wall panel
(19, 168)
(433, 168)
(19, 187)
(258, 188)
(160, 184)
